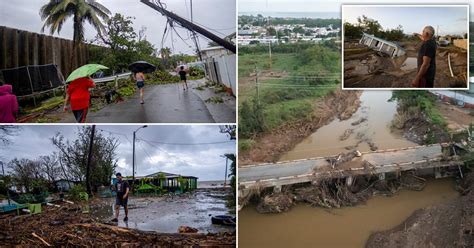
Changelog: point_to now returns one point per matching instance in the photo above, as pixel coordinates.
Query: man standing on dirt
(121, 188)
(426, 59)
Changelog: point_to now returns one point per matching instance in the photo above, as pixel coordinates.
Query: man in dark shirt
(182, 76)
(426, 60)
(121, 188)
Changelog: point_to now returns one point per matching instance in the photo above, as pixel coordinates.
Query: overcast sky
(325, 5)
(203, 161)
(216, 14)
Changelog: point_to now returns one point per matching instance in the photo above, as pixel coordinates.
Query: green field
(289, 92)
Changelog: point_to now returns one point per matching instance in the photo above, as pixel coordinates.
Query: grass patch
(280, 113)
(311, 72)
(246, 144)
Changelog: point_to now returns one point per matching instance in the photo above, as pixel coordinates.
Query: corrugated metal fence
(22, 48)
(222, 70)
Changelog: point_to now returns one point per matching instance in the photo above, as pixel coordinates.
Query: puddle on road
(305, 226)
(378, 113)
(166, 214)
(409, 64)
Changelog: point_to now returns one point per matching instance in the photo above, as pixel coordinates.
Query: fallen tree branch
(40, 238)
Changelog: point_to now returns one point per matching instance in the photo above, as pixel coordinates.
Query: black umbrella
(141, 66)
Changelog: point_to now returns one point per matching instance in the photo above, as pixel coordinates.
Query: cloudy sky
(201, 160)
(218, 15)
(448, 20)
(326, 5)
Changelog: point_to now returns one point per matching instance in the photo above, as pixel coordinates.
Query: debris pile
(336, 193)
(67, 226)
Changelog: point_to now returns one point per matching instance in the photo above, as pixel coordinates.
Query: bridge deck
(305, 170)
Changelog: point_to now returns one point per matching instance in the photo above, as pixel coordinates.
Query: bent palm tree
(56, 12)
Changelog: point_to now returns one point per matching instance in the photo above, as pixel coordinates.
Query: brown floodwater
(378, 113)
(305, 226)
(409, 64)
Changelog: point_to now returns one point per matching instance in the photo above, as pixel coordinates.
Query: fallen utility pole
(191, 26)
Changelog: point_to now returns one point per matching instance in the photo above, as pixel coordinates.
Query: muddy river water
(376, 114)
(305, 226)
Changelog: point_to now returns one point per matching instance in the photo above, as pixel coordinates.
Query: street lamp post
(133, 159)
(226, 160)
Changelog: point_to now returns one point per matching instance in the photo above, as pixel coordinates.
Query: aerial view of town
(263, 30)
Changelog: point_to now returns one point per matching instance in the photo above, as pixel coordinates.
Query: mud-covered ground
(269, 147)
(445, 225)
(365, 68)
(68, 225)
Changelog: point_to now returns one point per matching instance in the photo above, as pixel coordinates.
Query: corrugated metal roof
(385, 41)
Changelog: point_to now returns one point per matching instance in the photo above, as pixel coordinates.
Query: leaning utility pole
(194, 33)
(89, 159)
(191, 26)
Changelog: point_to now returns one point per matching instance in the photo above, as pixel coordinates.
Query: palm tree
(56, 12)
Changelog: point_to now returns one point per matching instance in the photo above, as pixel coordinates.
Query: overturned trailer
(381, 45)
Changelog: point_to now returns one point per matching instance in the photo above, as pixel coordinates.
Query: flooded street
(368, 128)
(305, 226)
(167, 213)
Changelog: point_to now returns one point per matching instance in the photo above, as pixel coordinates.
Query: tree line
(370, 26)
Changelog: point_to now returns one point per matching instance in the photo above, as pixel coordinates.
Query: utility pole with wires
(256, 86)
(196, 43)
(270, 53)
(89, 160)
(189, 25)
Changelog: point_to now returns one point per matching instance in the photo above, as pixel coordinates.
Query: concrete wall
(20, 48)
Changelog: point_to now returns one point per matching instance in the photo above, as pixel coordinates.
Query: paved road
(163, 104)
(308, 166)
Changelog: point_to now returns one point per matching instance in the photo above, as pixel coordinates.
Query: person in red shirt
(78, 93)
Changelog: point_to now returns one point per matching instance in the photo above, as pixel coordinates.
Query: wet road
(163, 103)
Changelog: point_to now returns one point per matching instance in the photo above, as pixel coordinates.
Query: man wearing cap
(121, 188)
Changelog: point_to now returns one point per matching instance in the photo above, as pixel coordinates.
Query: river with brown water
(306, 226)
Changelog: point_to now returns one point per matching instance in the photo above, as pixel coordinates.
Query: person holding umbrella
(139, 68)
(78, 90)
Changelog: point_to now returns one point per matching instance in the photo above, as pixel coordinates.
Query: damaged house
(381, 45)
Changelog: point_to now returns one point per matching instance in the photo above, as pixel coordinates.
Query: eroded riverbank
(367, 129)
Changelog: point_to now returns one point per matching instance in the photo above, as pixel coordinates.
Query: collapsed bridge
(435, 159)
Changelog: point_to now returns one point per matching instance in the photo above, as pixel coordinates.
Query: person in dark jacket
(182, 75)
(8, 104)
(426, 60)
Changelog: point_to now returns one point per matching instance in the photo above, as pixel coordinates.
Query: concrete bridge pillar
(277, 189)
(349, 181)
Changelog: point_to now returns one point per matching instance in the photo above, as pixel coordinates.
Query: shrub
(74, 192)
